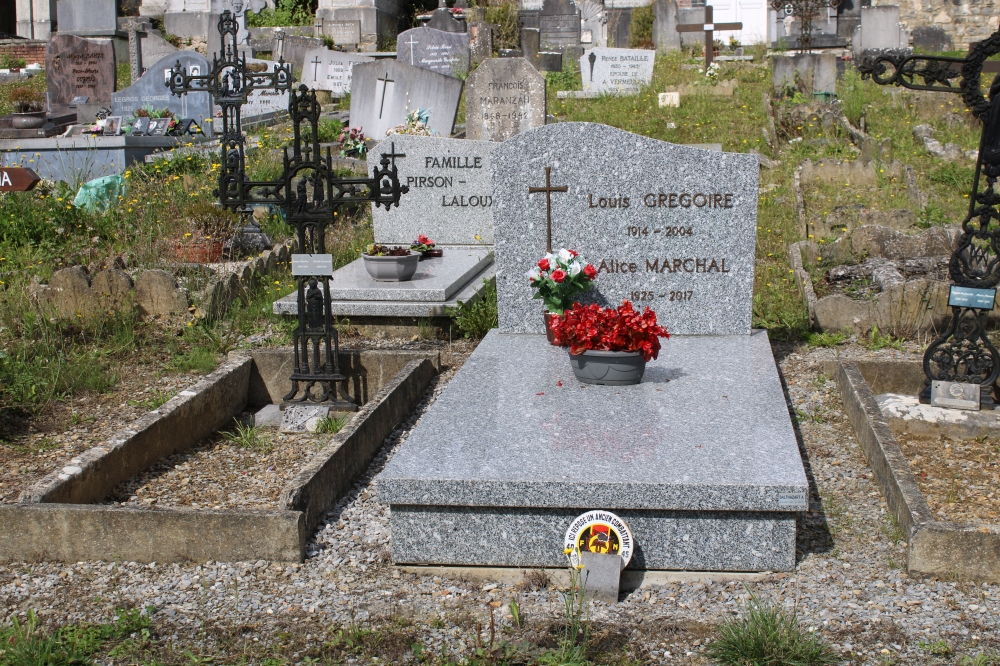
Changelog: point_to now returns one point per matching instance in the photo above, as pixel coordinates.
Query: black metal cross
(315, 63)
(709, 27)
(963, 353)
(548, 189)
(806, 11)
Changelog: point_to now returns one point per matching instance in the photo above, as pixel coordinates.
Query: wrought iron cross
(806, 11)
(709, 27)
(963, 353)
(548, 189)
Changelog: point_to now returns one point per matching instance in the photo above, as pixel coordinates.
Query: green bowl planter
(612, 368)
(391, 269)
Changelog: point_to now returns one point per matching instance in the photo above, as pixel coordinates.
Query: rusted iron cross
(709, 27)
(548, 189)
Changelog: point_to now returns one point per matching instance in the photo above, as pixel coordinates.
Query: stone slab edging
(76, 533)
(321, 482)
(175, 426)
(802, 279)
(934, 548)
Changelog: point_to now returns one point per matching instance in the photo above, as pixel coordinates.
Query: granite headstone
(343, 32)
(668, 226)
(593, 24)
(504, 97)
(153, 47)
(451, 191)
(931, 38)
(880, 30)
(151, 91)
(331, 70)
(77, 66)
(559, 25)
(94, 18)
(443, 19)
(665, 35)
(439, 51)
(295, 49)
(619, 27)
(385, 91)
(480, 41)
(264, 102)
(616, 71)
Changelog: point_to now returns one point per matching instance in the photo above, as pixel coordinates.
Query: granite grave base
(700, 459)
(439, 283)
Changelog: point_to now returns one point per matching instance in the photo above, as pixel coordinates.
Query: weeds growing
(249, 437)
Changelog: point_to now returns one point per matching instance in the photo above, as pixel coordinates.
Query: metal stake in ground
(709, 27)
(230, 83)
(963, 353)
(548, 189)
(806, 11)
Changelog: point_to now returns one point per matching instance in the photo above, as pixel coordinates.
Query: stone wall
(32, 50)
(965, 21)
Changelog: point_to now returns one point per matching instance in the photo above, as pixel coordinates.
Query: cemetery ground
(68, 382)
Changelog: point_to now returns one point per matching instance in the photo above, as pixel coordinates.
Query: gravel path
(848, 585)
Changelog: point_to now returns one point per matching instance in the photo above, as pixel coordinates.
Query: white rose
(533, 274)
(565, 255)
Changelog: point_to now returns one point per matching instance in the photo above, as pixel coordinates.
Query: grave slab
(385, 91)
(700, 459)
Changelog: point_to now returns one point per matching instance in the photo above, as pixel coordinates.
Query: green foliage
(200, 360)
(939, 647)
(503, 15)
(8, 61)
(825, 339)
(29, 644)
(856, 95)
(981, 659)
(285, 13)
(641, 28)
(332, 424)
(877, 340)
(249, 437)
(475, 318)
(768, 635)
(329, 130)
(954, 175)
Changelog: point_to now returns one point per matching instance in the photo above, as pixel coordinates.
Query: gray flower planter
(613, 368)
(391, 269)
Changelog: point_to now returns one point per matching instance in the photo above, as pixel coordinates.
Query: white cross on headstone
(411, 43)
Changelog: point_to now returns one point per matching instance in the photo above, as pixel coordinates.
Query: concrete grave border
(57, 520)
(934, 548)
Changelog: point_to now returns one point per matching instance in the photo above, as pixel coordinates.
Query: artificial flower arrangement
(559, 278)
(622, 329)
(425, 246)
(415, 124)
(377, 250)
(352, 142)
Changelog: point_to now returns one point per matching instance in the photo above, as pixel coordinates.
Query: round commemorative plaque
(599, 532)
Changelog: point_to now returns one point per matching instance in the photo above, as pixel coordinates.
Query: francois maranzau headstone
(616, 71)
(451, 191)
(504, 97)
(668, 226)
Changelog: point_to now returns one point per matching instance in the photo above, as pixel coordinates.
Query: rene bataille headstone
(671, 227)
(504, 97)
(616, 71)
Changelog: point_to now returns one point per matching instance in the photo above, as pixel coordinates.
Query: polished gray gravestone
(439, 51)
(331, 70)
(667, 226)
(449, 200)
(151, 91)
(87, 18)
(616, 71)
(559, 25)
(385, 91)
(504, 97)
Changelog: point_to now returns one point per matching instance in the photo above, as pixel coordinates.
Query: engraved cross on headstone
(548, 189)
(385, 81)
(412, 42)
(315, 63)
(709, 27)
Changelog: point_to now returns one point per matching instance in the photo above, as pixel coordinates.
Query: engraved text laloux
(447, 162)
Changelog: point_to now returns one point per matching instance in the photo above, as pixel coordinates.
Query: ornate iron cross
(806, 11)
(548, 189)
(963, 353)
(709, 27)
(230, 82)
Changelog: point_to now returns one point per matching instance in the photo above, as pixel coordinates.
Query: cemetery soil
(348, 603)
(959, 479)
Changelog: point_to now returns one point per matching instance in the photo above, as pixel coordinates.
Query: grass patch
(768, 635)
(332, 424)
(825, 339)
(475, 318)
(877, 340)
(199, 360)
(249, 437)
(30, 644)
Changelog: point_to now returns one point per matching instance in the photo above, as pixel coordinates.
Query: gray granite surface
(330, 70)
(616, 71)
(436, 279)
(504, 97)
(151, 90)
(707, 429)
(287, 305)
(437, 50)
(385, 91)
(693, 264)
(685, 540)
(451, 191)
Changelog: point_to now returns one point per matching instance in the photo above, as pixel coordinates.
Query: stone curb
(934, 548)
(802, 279)
(319, 484)
(175, 426)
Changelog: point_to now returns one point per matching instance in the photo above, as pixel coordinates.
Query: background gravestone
(480, 41)
(619, 27)
(385, 91)
(442, 19)
(593, 24)
(79, 66)
(264, 102)
(623, 71)
(439, 51)
(343, 32)
(451, 191)
(150, 90)
(504, 97)
(559, 25)
(153, 47)
(295, 48)
(665, 35)
(880, 30)
(331, 70)
(931, 38)
(94, 18)
(668, 226)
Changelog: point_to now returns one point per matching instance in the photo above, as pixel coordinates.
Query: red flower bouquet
(559, 278)
(591, 327)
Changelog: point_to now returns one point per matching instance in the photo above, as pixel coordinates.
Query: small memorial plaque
(955, 395)
(140, 126)
(113, 126)
(296, 418)
(795, 501)
(312, 264)
(967, 297)
(79, 99)
(158, 126)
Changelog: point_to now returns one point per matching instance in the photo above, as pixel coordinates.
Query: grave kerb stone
(667, 226)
